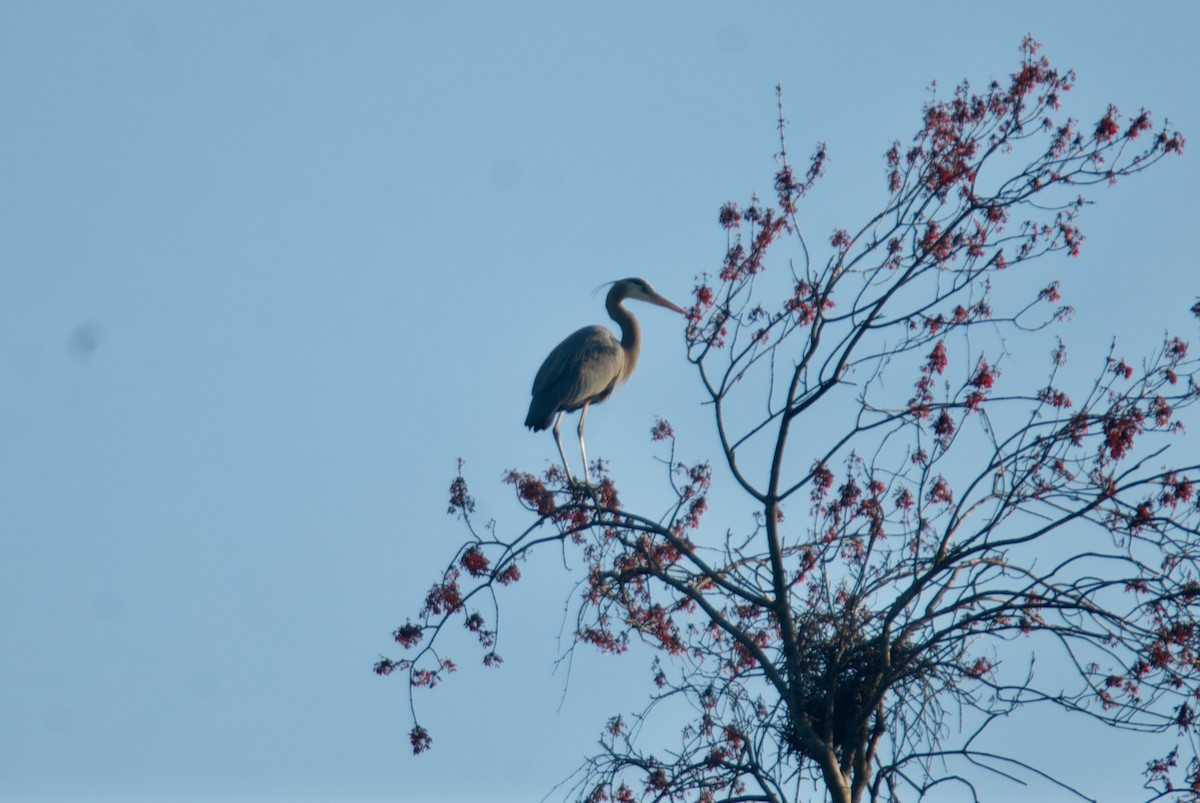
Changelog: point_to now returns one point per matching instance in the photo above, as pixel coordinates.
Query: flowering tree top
(927, 522)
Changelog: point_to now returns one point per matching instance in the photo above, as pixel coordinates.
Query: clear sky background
(268, 269)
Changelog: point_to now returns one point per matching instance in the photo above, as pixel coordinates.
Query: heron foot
(580, 485)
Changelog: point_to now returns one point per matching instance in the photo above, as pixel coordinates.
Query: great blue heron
(588, 366)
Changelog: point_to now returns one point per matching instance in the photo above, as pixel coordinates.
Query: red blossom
(734, 257)
(940, 492)
(943, 429)
(460, 499)
(1120, 429)
(532, 491)
(474, 561)
(420, 739)
(1059, 355)
(1160, 768)
(1072, 237)
(849, 494)
(936, 362)
(408, 635)
(661, 430)
(1161, 410)
(984, 376)
(1178, 490)
(734, 736)
(822, 481)
(1171, 144)
(1060, 468)
(604, 639)
(981, 667)
(1055, 398)
(935, 243)
(704, 296)
(786, 188)
(1107, 128)
(730, 216)
(443, 597)
(695, 511)
(1138, 124)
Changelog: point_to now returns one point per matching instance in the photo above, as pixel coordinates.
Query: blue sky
(269, 269)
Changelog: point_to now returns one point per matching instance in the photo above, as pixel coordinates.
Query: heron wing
(585, 367)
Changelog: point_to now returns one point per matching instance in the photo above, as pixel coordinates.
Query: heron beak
(662, 302)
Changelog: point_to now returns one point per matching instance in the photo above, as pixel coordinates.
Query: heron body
(588, 365)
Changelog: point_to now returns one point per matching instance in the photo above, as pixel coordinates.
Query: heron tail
(541, 415)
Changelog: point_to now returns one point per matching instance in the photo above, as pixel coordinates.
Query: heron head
(641, 290)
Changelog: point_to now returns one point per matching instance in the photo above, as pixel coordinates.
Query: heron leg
(582, 451)
(561, 452)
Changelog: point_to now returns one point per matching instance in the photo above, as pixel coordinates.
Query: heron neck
(631, 333)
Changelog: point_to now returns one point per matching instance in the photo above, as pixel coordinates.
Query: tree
(922, 522)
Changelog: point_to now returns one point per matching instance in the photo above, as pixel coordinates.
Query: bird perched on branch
(588, 366)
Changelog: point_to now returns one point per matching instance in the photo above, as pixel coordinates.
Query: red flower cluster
(939, 492)
(822, 479)
(443, 597)
(1053, 397)
(532, 491)
(935, 363)
(730, 216)
(460, 499)
(984, 377)
(1107, 128)
(943, 429)
(474, 561)
(420, 739)
(407, 635)
(661, 430)
(1120, 429)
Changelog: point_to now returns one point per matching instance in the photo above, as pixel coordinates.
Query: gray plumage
(584, 368)
(588, 365)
